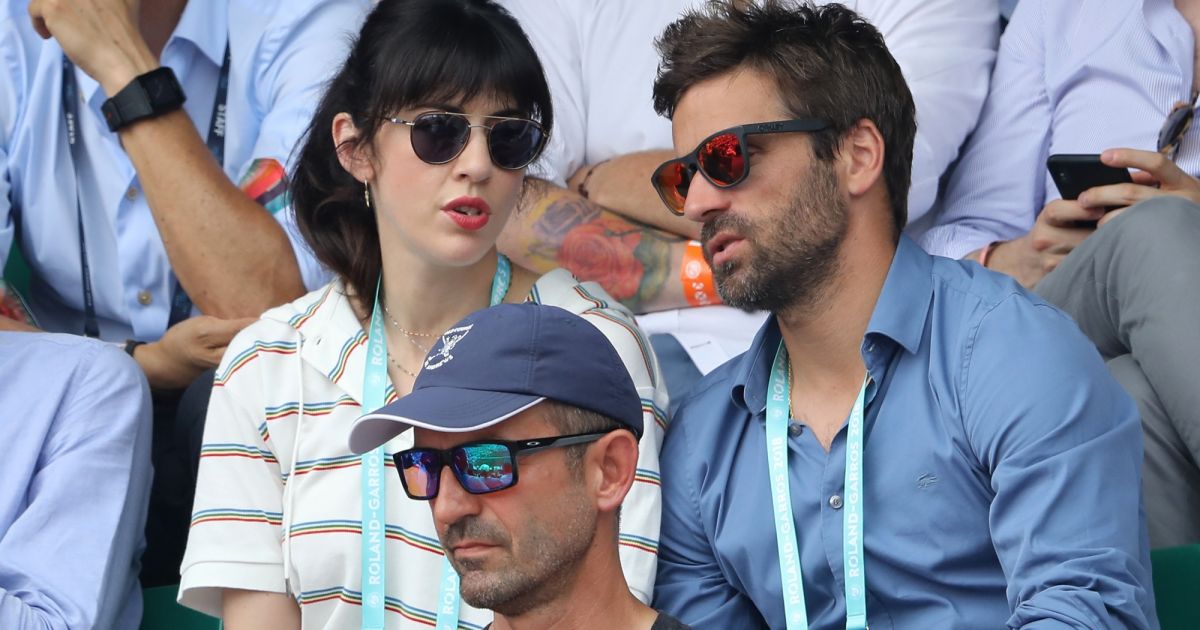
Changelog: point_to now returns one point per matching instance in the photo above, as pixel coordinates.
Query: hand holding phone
(1075, 173)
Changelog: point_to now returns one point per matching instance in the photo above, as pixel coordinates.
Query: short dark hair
(408, 53)
(827, 62)
(569, 420)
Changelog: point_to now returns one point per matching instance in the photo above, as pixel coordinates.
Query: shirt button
(835, 502)
(131, 194)
(144, 298)
(795, 429)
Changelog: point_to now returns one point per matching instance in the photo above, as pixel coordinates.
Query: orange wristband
(696, 277)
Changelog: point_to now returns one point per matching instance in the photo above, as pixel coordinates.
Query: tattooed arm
(637, 264)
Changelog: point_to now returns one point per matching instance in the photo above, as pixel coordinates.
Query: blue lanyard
(374, 498)
(853, 563)
(181, 304)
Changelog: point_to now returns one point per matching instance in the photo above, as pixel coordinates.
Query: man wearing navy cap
(534, 394)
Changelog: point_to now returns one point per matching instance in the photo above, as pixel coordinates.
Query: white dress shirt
(281, 52)
(601, 63)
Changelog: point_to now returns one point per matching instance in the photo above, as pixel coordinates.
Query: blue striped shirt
(1071, 77)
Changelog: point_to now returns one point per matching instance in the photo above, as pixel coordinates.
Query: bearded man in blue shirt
(910, 440)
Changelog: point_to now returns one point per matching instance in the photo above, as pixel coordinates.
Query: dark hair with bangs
(827, 62)
(408, 53)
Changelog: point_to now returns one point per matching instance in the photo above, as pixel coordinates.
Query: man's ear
(613, 465)
(354, 156)
(861, 155)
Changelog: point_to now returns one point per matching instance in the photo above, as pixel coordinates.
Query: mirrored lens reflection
(483, 467)
(722, 159)
(672, 181)
(420, 472)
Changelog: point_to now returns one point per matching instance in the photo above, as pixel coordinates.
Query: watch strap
(131, 345)
(148, 95)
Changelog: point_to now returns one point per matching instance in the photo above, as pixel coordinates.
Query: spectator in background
(535, 395)
(404, 181)
(140, 218)
(607, 223)
(988, 473)
(76, 479)
(1086, 77)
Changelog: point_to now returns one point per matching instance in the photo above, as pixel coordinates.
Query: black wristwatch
(131, 345)
(152, 94)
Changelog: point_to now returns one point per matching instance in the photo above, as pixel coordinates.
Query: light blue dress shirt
(1071, 77)
(282, 52)
(74, 483)
(1002, 472)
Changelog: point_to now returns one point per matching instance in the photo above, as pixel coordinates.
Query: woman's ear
(616, 456)
(353, 155)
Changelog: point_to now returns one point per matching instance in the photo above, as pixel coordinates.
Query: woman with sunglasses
(413, 163)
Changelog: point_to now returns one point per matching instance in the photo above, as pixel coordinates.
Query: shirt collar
(899, 315)
(903, 303)
(204, 23)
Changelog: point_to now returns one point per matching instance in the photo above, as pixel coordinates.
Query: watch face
(162, 88)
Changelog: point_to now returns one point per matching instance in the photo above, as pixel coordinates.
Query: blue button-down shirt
(74, 483)
(1002, 474)
(282, 51)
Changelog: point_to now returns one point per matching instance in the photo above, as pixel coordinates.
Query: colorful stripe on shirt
(238, 515)
(392, 604)
(339, 368)
(660, 418)
(237, 450)
(297, 321)
(264, 182)
(646, 475)
(250, 354)
(391, 532)
(648, 545)
(278, 412)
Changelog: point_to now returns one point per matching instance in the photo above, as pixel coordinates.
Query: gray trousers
(1134, 289)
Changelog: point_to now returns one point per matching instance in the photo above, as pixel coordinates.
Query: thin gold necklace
(401, 367)
(402, 329)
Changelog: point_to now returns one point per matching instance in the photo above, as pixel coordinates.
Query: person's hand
(187, 349)
(1155, 175)
(99, 36)
(1060, 227)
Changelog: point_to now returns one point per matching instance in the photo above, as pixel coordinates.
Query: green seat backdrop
(1177, 586)
(160, 612)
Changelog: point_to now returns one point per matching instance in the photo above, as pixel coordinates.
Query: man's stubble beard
(793, 250)
(549, 559)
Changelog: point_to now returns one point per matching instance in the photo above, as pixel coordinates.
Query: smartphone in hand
(1075, 173)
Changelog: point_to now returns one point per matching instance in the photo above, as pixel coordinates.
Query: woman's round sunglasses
(720, 158)
(439, 137)
(480, 467)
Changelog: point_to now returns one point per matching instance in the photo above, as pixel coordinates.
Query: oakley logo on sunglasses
(441, 355)
(722, 159)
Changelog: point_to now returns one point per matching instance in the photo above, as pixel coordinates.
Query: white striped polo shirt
(278, 504)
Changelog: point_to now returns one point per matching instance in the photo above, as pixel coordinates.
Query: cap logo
(440, 355)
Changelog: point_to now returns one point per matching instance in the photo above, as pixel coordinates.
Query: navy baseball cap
(500, 361)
